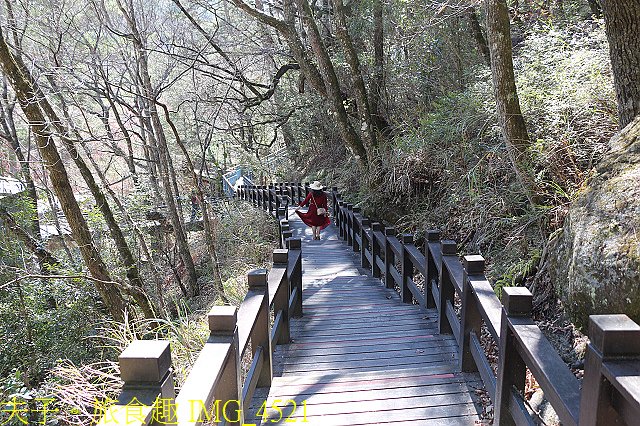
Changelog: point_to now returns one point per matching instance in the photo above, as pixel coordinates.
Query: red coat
(311, 217)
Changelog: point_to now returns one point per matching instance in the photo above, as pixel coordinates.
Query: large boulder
(595, 261)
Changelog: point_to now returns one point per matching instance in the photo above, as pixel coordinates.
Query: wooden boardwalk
(359, 356)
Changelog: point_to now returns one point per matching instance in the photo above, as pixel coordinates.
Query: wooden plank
(375, 394)
(454, 322)
(276, 329)
(436, 254)
(456, 271)
(387, 413)
(200, 384)
(367, 253)
(247, 316)
(275, 279)
(253, 374)
(417, 259)
(425, 360)
(396, 245)
(304, 354)
(490, 306)
(625, 377)
(321, 327)
(415, 291)
(560, 386)
(369, 330)
(380, 264)
(293, 299)
(395, 275)
(435, 292)
(293, 358)
(484, 368)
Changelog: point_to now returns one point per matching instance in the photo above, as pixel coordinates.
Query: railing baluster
(470, 318)
(364, 262)
(223, 326)
(517, 303)
(375, 249)
(447, 291)
(389, 257)
(432, 271)
(407, 269)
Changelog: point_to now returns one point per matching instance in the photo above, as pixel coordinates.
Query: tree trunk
(347, 132)
(360, 90)
(376, 88)
(510, 117)
(60, 181)
(166, 171)
(478, 35)
(622, 20)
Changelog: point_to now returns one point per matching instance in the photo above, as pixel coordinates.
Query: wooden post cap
(294, 243)
(407, 238)
(357, 210)
(280, 256)
(286, 233)
(341, 203)
(350, 206)
(449, 247)
(145, 361)
(285, 228)
(366, 221)
(377, 226)
(517, 301)
(284, 221)
(257, 278)
(433, 235)
(474, 264)
(390, 231)
(281, 211)
(223, 319)
(614, 335)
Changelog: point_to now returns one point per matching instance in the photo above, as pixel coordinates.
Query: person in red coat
(317, 217)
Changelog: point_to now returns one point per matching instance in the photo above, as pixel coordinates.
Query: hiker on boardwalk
(317, 217)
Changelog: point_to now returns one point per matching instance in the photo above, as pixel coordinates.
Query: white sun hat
(316, 185)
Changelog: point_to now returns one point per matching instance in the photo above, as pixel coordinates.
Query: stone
(595, 260)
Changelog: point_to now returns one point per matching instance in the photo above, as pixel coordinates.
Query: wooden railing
(465, 302)
(215, 391)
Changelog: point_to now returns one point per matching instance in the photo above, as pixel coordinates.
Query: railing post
(270, 190)
(364, 262)
(295, 251)
(341, 226)
(389, 257)
(611, 337)
(282, 212)
(432, 272)
(223, 326)
(375, 249)
(283, 225)
(471, 320)
(261, 335)
(349, 224)
(517, 303)
(407, 269)
(281, 300)
(447, 291)
(286, 234)
(145, 369)
(355, 229)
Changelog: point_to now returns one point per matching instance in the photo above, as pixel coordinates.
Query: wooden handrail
(610, 393)
(214, 389)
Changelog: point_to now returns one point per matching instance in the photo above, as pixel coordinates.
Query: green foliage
(517, 273)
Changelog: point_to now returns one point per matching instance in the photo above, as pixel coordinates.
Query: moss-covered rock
(595, 262)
